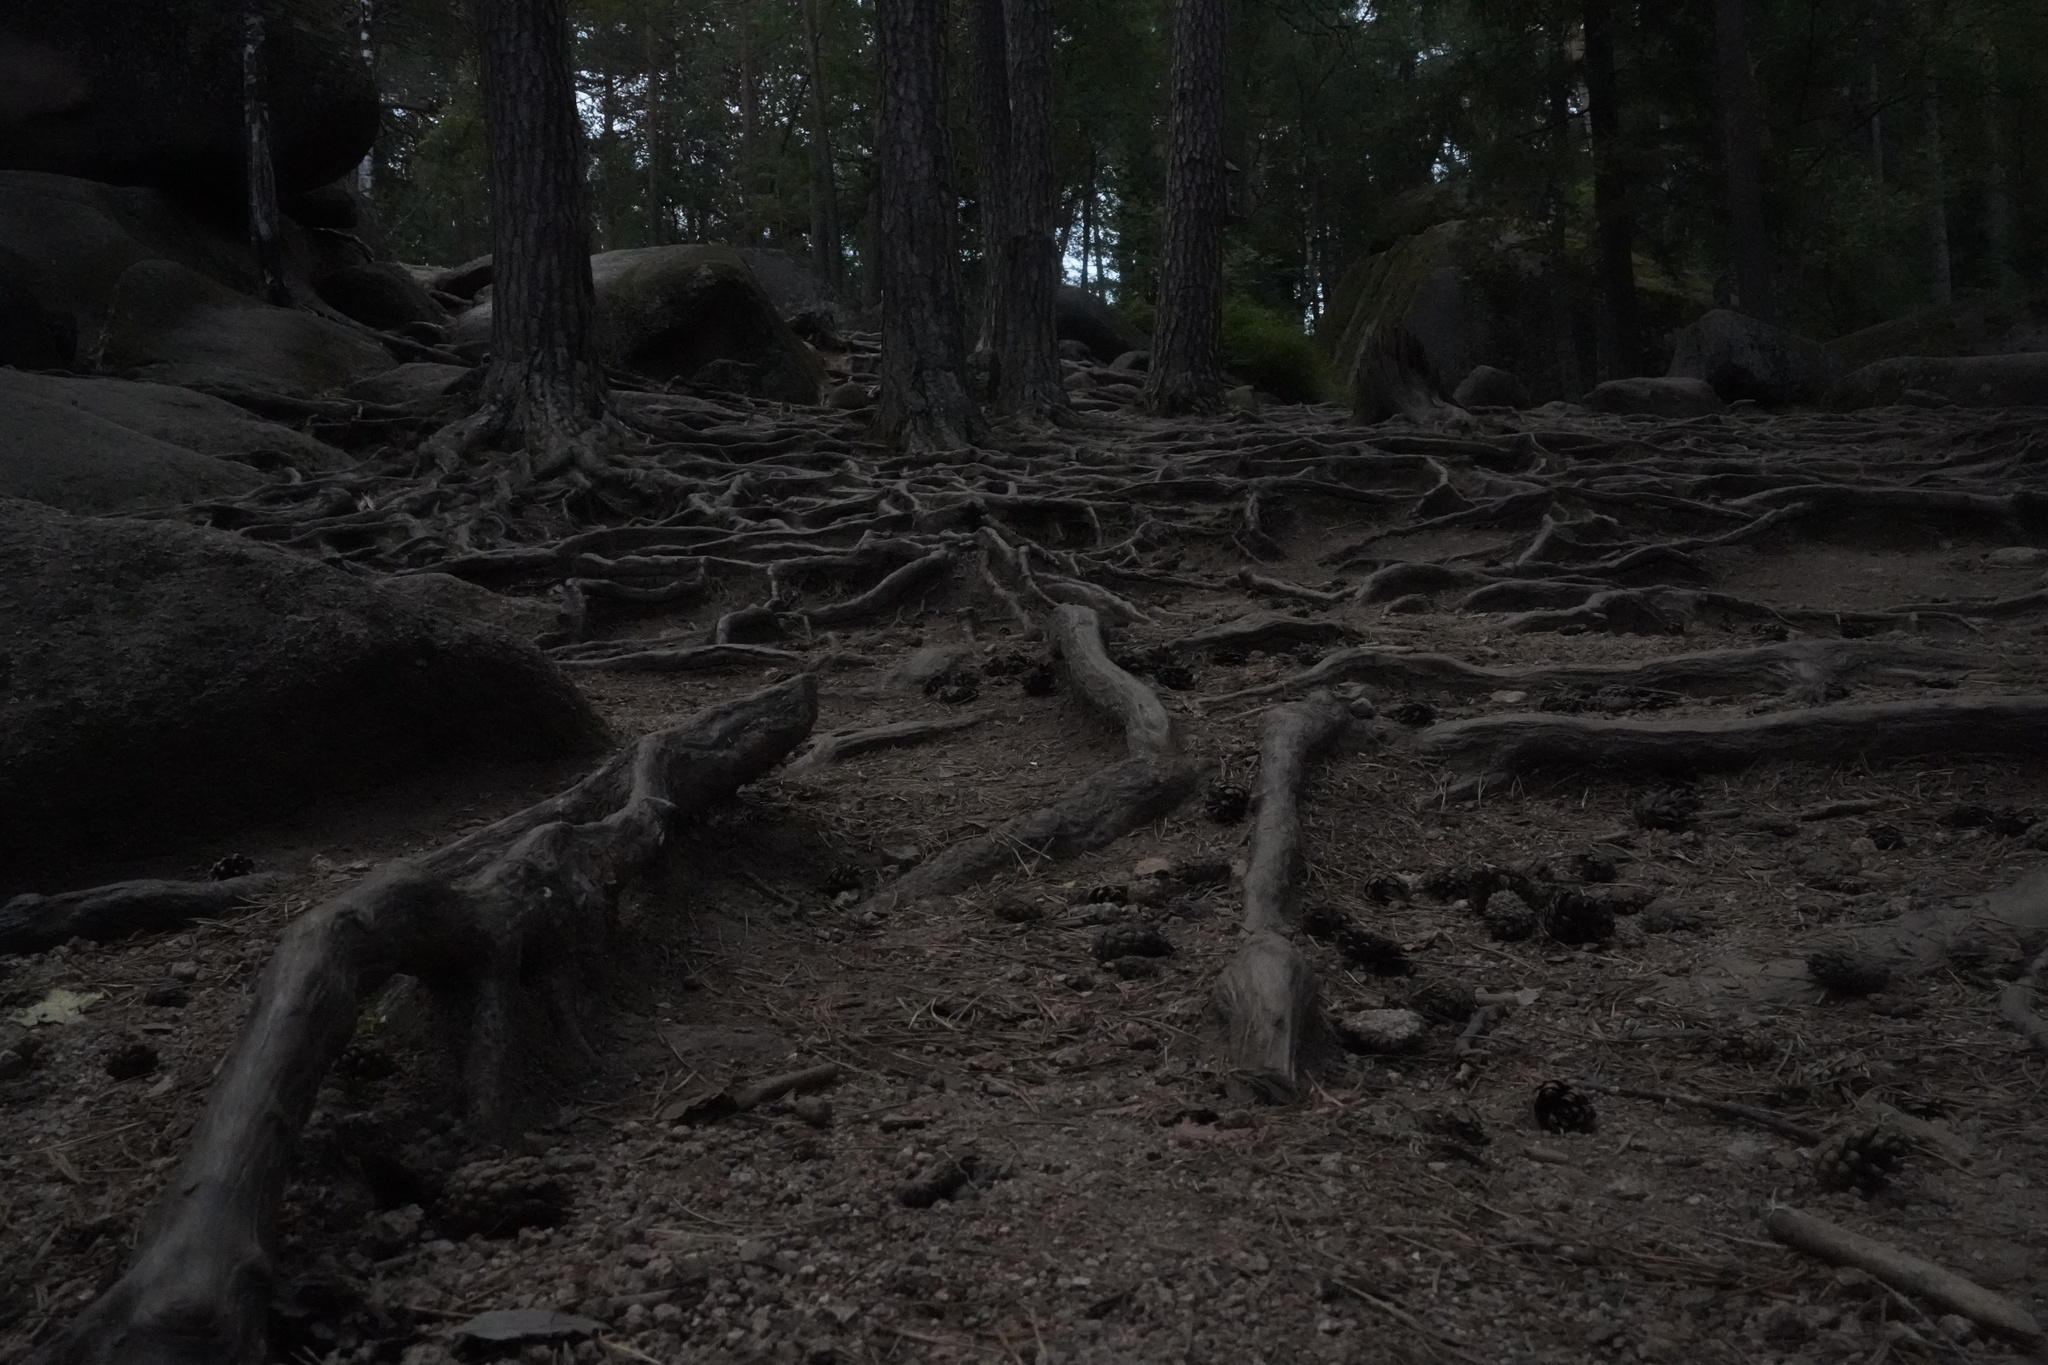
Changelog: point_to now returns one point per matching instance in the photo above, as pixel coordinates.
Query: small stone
(2017, 557)
(184, 971)
(1508, 697)
(1443, 1002)
(1383, 1032)
(1152, 867)
(812, 1109)
(904, 855)
(1019, 909)
(1664, 917)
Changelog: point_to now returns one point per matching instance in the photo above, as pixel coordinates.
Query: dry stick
(1749, 1113)
(1503, 747)
(470, 920)
(1266, 997)
(844, 744)
(31, 923)
(1904, 1271)
(739, 1099)
(1153, 781)
(1808, 666)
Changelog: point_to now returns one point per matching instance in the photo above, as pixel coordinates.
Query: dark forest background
(1902, 143)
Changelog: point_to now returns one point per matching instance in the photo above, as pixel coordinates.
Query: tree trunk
(924, 403)
(1940, 271)
(989, 42)
(656, 139)
(750, 128)
(1755, 290)
(1876, 126)
(1187, 363)
(1620, 346)
(263, 220)
(1013, 52)
(824, 194)
(1997, 180)
(544, 388)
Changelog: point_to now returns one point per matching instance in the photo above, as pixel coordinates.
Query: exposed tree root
(1807, 668)
(477, 921)
(1157, 777)
(1505, 747)
(1266, 997)
(1263, 630)
(29, 924)
(840, 745)
(2016, 1004)
(697, 658)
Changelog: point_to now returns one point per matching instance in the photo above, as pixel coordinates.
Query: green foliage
(1269, 349)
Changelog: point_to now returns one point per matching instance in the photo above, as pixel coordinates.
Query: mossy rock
(1981, 324)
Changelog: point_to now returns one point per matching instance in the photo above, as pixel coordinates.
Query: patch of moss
(1268, 349)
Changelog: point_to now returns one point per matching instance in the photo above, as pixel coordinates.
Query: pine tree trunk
(824, 193)
(924, 404)
(1187, 365)
(1620, 345)
(656, 138)
(544, 388)
(1739, 129)
(989, 66)
(1940, 270)
(1025, 270)
(264, 228)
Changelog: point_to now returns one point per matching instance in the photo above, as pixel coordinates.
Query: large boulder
(1742, 357)
(197, 422)
(1978, 324)
(1980, 381)
(790, 283)
(54, 454)
(669, 311)
(173, 325)
(1477, 291)
(149, 92)
(65, 243)
(163, 681)
(1648, 397)
(1085, 316)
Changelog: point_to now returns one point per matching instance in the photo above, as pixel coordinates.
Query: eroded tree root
(1157, 777)
(1266, 997)
(1806, 668)
(1502, 748)
(30, 923)
(485, 924)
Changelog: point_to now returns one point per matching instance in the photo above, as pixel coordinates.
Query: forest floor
(1121, 1207)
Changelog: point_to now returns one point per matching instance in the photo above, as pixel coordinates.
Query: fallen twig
(1777, 1123)
(1903, 1270)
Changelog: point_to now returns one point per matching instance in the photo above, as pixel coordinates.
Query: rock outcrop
(672, 312)
(1742, 357)
(149, 92)
(163, 681)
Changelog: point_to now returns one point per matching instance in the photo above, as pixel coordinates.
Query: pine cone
(232, 866)
(1862, 1160)
(1839, 971)
(1385, 890)
(1443, 1002)
(1672, 810)
(1415, 714)
(1376, 953)
(1179, 677)
(1140, 938)
(1226, 803)
(843, 878)
(1561, 1109)
(1508, 917)
(1574, 917)
(1042, 681)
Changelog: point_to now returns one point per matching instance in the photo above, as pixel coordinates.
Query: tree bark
(545, 388)
(1620, 345)
(1187, 362)
(1756, 293)
(1013, 79)
(924, 403)
(1939, 268)
(263, 217)
(824, 193)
